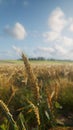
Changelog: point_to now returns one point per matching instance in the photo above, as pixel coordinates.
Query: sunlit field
(36, 96)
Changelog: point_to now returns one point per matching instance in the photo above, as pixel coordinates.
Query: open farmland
(36, 96)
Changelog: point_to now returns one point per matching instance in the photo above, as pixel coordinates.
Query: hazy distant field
(38, 62)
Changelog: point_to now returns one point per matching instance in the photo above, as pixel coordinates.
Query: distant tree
(37, 58)
(40, 58)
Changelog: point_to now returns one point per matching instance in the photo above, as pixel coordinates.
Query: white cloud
(71, 27)
(44, 52)
(45, 49)
(60, 50)
(57, 20)
(57, 23)
(58, 37)
(67, 41)
(51, 36)
(18, 31)
(56, 51)
(70, 20)
(70, 54)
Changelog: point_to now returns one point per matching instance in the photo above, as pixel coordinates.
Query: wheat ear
(7, 113)
(35, 110)
(32, 78)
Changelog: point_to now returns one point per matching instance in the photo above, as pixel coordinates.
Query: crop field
(36, 96)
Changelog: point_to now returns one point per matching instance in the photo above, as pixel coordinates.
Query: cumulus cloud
(70, 24)
(60, 50)
(71, 27)
(57, 20)
(57, 52)
(57, 23)
(59, 36)
(18, 31)
(45, 49)
(51, 36)
(67, 41)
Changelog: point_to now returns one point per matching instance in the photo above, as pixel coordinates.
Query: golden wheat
(7, 113)
(32, 79)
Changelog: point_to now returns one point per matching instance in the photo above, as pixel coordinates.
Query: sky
(39, 28)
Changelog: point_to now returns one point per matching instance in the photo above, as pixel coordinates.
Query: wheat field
(36, 96)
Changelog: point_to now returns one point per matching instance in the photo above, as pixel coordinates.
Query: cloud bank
(59, 35)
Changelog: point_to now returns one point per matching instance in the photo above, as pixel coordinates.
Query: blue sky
(36, 27)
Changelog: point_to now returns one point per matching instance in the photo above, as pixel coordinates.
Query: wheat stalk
(32, 79)
(7, 113)
(36, 111)
(13, 92)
